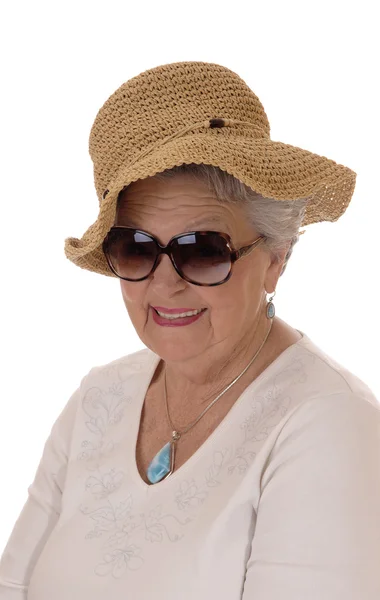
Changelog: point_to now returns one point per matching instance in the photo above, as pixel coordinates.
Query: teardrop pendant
(162, 464)
(270, 307)
(270, 310)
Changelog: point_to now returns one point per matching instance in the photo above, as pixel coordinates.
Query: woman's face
(233, 308)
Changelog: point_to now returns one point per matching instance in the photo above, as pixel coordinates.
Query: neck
(199, 382)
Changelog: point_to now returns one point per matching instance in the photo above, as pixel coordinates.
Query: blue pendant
(162, 464)
(270, 310)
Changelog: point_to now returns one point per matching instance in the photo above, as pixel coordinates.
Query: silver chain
(176, 434)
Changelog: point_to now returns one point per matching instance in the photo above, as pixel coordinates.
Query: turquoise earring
(270, 307)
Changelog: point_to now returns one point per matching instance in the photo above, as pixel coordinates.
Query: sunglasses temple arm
(247, 249)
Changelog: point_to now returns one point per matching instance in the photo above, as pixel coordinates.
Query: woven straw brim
(273, 169)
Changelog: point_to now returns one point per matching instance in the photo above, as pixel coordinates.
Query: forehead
(175, 205)
(203, 222)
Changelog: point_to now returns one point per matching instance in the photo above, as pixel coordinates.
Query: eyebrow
(206, 221)
(203, 221)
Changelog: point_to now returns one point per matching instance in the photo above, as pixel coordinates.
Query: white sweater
(281, 502)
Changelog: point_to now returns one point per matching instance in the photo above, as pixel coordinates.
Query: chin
(175, 351)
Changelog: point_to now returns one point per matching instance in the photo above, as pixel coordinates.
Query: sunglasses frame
(235, 254)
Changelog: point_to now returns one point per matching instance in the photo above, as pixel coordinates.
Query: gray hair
(278, 221)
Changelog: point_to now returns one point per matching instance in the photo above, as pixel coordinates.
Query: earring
(270, 307)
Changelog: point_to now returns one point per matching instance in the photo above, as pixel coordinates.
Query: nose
(165, 277)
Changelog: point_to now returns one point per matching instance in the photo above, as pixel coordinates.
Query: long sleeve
(41, 510)
(317, 531)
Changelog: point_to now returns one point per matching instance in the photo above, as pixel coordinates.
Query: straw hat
(198, 112)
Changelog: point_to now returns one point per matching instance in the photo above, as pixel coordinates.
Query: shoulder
(327, 376)
(121, 369)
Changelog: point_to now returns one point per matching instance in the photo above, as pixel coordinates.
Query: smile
(177, 316)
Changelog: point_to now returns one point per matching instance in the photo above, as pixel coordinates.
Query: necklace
(162, 464)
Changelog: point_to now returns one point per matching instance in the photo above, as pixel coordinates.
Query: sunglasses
(199, 257)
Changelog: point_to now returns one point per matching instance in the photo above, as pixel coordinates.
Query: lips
(175, 321)
(173, 311)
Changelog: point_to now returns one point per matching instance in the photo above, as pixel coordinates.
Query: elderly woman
(231, 458)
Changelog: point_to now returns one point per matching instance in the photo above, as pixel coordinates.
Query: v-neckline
(148, 375)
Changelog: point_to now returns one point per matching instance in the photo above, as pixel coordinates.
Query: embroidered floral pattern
(264, 414)
(188, 495)
(124, 528)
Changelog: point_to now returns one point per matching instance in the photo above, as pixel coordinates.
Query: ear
(274, 270)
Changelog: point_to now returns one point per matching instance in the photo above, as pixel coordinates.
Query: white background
(315, 68)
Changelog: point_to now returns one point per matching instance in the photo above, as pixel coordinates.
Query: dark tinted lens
(131, 254)
(203, 257)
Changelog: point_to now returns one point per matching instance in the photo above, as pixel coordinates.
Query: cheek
(133, 294)
(241, 291)
(221, 300)
(229, 296)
